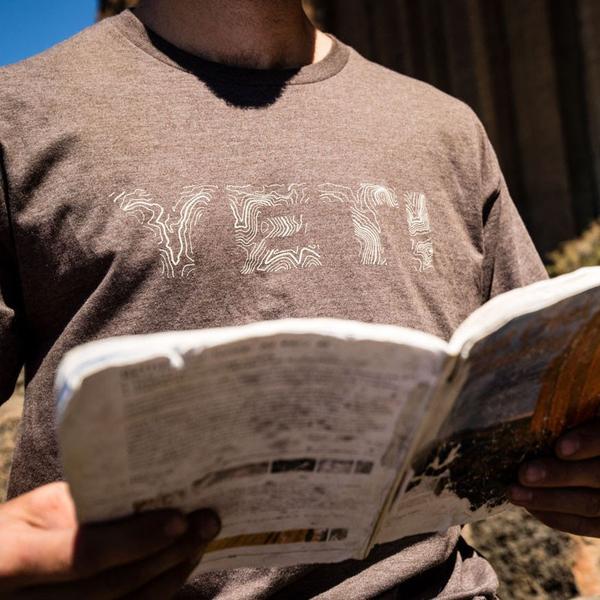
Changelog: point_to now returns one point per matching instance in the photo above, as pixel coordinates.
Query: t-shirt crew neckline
(130, 26)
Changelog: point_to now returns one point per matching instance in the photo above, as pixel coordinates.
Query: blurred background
(531, 70)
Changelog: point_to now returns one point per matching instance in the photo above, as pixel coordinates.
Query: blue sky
(30, 26)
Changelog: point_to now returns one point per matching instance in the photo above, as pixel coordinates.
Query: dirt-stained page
(523, 385)
(292, 439)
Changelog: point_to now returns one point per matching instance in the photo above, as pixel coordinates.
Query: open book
(316, 439)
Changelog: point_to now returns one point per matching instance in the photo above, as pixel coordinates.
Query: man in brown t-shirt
(199, 164)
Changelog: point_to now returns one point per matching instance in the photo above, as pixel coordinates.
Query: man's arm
(45, 554)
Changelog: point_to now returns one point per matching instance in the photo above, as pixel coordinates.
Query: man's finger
(552, 472)
(574, 524)
(582, 502)
(128, 579)
(71, 554)
(206, 526)
(580, 443)
(125, 580)
(106, 545)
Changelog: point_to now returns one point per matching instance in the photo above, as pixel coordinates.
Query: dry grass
(583, 251)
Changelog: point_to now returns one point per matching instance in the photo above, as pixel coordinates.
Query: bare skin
(44, 553)
(564, 491)
(258, 34)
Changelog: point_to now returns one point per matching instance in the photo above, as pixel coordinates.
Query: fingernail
(176, 527)
(519, 494)
(535, 472)
(569, 445)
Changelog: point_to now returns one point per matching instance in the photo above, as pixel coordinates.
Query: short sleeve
(510, 259)
(11, 314)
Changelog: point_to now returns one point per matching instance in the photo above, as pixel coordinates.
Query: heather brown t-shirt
(146, 190)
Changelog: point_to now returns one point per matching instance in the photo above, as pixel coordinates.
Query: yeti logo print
(173, 229)
(254, 231)
(267, 219)
(364, 204)
(419, 230)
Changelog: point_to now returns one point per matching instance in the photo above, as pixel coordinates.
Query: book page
(521, 386)
(293, 438)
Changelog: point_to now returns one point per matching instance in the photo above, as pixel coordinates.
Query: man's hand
(564, 492)
(45, 554)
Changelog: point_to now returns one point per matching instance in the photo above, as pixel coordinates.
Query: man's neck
(259, 34)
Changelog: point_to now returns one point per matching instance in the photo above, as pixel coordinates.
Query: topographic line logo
(252, 229)
(364, 204)
(174, 228)
(419, 229)
(264, 234)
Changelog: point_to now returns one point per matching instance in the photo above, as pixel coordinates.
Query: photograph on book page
(523, 385)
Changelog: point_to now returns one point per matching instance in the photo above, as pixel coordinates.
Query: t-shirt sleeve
(510, 258)
(11, 313)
